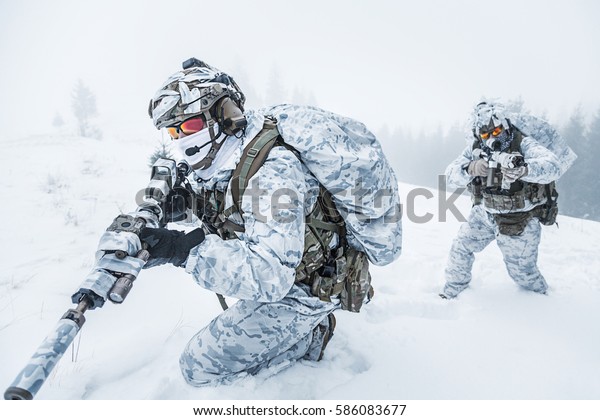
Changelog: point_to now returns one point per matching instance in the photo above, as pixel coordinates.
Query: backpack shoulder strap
(515, 144)
(253, 157)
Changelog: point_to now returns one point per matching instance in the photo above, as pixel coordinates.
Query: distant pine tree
(161, 151)
(58, 121)
(83, 102)
(574, 186)
(589, 166)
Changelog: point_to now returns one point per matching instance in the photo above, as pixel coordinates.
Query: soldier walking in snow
(510, 169)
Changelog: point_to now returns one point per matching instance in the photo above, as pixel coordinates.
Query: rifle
(168, 197)
(497, 159)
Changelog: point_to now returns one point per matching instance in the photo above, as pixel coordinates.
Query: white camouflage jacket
(261, 265)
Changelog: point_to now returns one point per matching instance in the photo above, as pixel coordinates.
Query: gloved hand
(478, 167)
(512, 174)
(170, 246)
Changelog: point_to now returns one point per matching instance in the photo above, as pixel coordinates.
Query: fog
(413, 64)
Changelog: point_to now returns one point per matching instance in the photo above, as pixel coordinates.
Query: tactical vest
(329, 265)
(514, 199)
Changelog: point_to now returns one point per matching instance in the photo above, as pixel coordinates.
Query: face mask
(502, 140)
(196, 146)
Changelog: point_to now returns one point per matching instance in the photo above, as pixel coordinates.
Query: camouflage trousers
(250, 337)
(520, 253)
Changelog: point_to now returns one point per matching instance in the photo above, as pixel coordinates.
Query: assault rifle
(168, 197)
(497, 160)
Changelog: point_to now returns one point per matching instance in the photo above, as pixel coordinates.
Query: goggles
(495, 133)
(187, 127)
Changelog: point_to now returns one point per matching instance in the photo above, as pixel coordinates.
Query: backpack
(363, 232)
(546, 135)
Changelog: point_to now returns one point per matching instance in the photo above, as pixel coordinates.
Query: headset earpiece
(230, 117)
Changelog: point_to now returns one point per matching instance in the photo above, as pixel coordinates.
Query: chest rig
(497, 198)
(513, 199)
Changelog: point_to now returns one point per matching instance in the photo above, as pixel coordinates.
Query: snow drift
(494, 342)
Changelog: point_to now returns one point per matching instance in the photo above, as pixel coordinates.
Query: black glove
(169, 246)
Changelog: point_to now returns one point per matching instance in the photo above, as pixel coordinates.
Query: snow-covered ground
(494, 342)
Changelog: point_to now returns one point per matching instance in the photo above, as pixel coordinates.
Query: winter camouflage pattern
(33, 376)
(531, 126)
(520, 253)
(543, 167)
(127, 265)
(548, 157)
(272, 324)
(191, 92)
(274, 234)
(252, 336)
(99, 282)
(261, 265)
(348, 160)
(547, 136)
(118, 241)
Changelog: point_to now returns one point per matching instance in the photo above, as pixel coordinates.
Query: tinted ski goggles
(187, 127)
(495, 133)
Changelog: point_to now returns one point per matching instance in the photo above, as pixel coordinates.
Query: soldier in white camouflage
(255, 250)
(276, 321)
(511, 177)
(294, 203)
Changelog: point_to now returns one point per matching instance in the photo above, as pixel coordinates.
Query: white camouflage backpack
(358, 206)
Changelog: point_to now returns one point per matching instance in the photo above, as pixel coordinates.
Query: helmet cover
(191, 92)
(488, 115)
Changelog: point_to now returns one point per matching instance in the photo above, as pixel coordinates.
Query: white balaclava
(195, 150)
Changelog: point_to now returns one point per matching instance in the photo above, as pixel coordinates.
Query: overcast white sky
(396, 62)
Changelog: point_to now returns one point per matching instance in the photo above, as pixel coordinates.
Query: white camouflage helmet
(489, 115)
(193, 91)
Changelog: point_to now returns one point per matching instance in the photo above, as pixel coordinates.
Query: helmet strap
(211, 124)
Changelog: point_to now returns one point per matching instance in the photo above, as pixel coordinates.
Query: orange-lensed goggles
(187, 127)
(495, 132)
